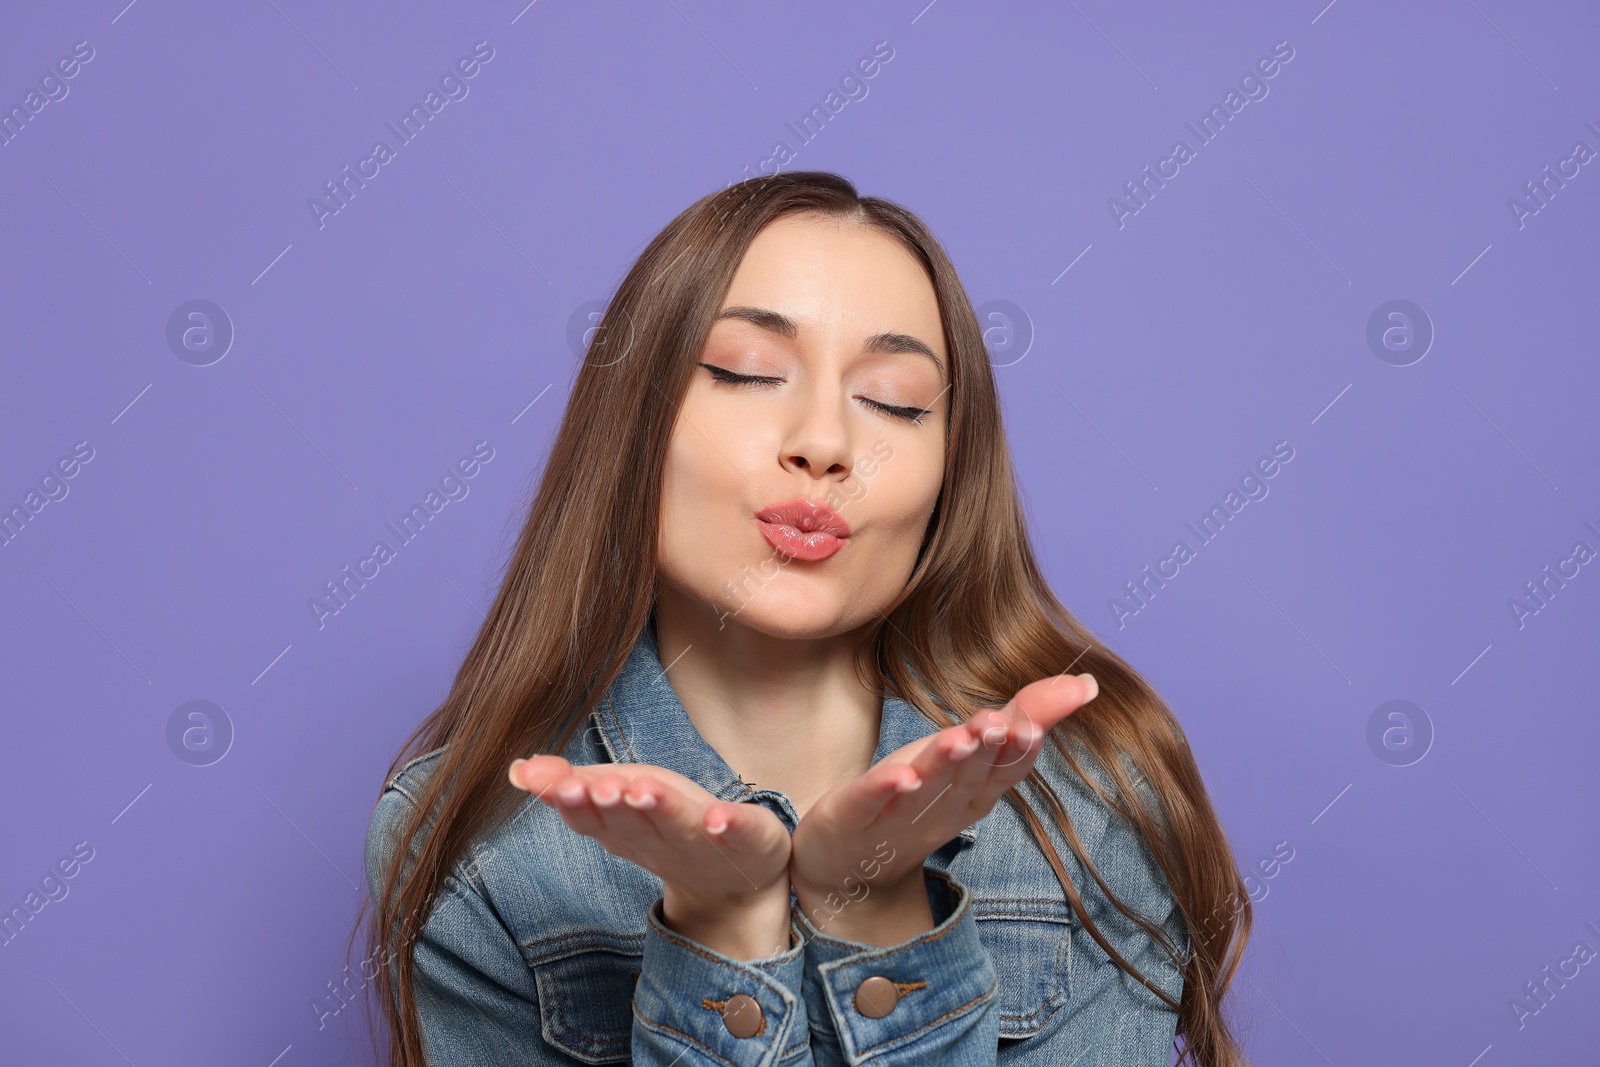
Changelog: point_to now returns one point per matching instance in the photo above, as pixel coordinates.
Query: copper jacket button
(742, 1015)
(876, 997)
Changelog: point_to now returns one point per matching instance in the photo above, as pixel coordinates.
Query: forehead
(839, 277)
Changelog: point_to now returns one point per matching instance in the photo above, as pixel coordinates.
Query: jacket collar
(641, 720)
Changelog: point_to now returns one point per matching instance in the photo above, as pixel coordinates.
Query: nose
(819, 443)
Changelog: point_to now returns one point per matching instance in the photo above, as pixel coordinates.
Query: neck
(785, 713)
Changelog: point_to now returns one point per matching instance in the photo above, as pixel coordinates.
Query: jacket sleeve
(928, 999)
(685, 1011)
(479, 1005)
(1112, 1020)
(474, 992)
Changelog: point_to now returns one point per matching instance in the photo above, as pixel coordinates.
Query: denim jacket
(543, 948)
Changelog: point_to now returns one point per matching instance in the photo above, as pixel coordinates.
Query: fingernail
(716, 826)
(642, 803)
(908, 786)
(1094, 687)
(516, 764)
(572, 793)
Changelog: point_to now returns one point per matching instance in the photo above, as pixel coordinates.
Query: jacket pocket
(1029, 942)
(585, 985)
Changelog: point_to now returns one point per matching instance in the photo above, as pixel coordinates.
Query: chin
(794, 613)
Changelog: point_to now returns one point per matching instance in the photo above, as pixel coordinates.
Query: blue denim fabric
(545, 949)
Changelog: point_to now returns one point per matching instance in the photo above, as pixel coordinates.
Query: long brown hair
(975, 622)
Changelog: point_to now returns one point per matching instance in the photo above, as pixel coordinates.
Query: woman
(718, 780)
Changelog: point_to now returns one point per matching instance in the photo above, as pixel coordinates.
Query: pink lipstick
(803, 529)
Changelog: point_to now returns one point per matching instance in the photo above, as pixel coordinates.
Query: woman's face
(840, 326)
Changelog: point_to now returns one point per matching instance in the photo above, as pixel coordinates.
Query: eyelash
(728, 377)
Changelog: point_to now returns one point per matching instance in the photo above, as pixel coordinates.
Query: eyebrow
(774, 322)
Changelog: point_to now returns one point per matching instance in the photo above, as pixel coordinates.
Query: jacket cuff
(942, 978)
(684, 988)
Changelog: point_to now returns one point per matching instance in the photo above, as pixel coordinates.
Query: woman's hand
(723, 865)
(858, 853)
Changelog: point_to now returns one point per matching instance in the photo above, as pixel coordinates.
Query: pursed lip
(807, 516)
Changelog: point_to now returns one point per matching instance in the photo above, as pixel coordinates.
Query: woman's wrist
(750, 927)
(884, 914)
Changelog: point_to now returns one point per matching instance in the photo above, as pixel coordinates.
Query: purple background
(437, 309)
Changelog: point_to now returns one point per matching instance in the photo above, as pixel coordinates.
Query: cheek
(704, 486)
(906, 488)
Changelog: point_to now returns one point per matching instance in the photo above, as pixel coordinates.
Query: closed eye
(728, 377)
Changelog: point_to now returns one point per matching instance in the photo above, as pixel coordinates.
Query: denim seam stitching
(526, 945)
(910, 1035)
(692, 1042)
(584, 1042)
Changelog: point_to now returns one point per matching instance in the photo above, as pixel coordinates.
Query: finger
(570, 797)
(1010, 741)
(1049, 700)
(627, 825)
(993, 732)
(740, 827)
(1036, 709)
(937, 762)
(538, 774)
(880, 787)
